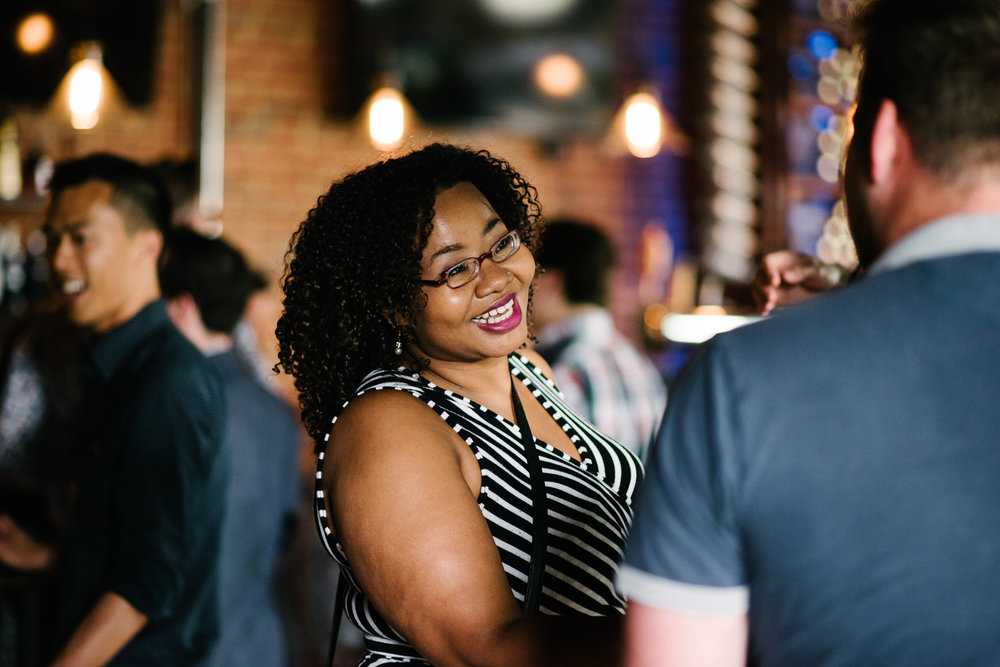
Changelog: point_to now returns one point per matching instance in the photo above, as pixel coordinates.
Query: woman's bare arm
(403, 488)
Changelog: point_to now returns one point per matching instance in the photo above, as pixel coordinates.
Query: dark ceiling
(125, 28)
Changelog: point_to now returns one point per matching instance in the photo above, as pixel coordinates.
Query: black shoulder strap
(338, 612)
(536, 569)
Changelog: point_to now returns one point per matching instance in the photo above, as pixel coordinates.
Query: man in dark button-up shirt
(207, 283)
(140, 566)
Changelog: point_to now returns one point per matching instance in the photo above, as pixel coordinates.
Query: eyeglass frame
(514, 234)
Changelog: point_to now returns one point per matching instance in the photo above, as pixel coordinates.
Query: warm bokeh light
(698, 327)
(710, 309)
(652, 318)
(849, 123)
(527, 11)
(34, 33)
(85, 90)
(559, 75)
(386, 118)
(10, 162)
(643, 125)
(642, 128)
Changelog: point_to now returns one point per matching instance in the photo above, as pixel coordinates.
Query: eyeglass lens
(465, 271)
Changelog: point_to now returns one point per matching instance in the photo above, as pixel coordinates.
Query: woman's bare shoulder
(385, 418)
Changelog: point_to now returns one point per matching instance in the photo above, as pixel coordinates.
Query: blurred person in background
(138, 570)
(207, 284)
(40, 436)
(598, 370)
(40, 429)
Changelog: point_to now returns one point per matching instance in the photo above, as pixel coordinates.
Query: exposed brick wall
(283, 148)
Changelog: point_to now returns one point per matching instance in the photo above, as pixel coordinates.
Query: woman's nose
(492, 276)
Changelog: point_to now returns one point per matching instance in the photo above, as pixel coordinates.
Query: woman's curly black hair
(352, 268)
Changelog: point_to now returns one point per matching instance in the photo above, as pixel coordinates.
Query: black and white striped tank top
(589, 505)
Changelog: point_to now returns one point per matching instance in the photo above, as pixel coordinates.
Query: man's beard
(860, 219)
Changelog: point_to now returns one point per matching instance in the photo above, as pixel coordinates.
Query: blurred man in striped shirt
(599, 371)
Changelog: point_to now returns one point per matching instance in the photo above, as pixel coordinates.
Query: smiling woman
(455, 321)
(476, 518)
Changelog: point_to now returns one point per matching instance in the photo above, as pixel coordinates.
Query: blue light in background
(820, 116)
(800, 67)
(821, 43)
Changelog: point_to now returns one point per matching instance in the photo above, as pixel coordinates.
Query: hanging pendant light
(643, 127)
(643, 124)
(386, 118)
(87, 88)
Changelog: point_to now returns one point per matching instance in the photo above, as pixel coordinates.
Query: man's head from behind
(104, 227)
(576, 260)
(209, 274)
(938, 64)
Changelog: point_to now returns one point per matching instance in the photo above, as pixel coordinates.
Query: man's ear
(150, 243)
(889, 140)
(181, 307)
(186, 317)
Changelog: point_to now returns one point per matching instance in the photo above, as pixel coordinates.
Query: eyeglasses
(463, 273)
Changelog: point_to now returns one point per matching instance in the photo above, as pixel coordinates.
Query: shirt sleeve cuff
(655, 591)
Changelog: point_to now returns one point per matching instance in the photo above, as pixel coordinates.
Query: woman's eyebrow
(491, 224)
(453, 247)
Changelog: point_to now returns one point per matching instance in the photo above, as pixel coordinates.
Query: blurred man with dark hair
(207, 283)
(825, 489)
(601, 374)
(139, 568)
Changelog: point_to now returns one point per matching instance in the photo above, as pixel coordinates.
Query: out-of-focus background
(699, 134)
(260, 104)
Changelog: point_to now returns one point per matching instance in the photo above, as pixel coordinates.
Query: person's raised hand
(785, 277)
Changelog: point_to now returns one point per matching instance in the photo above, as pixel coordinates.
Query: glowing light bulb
(559, 75)
(10, 162)
(85, 91)
(386, 118)
(643, 125)
(527, 12)
(34, 33)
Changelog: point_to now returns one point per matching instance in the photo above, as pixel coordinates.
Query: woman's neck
(486, 381)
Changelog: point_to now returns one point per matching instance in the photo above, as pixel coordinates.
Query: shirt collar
(952, 235)
(109, 350)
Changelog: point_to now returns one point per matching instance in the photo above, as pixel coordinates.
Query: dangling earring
(399, 344)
